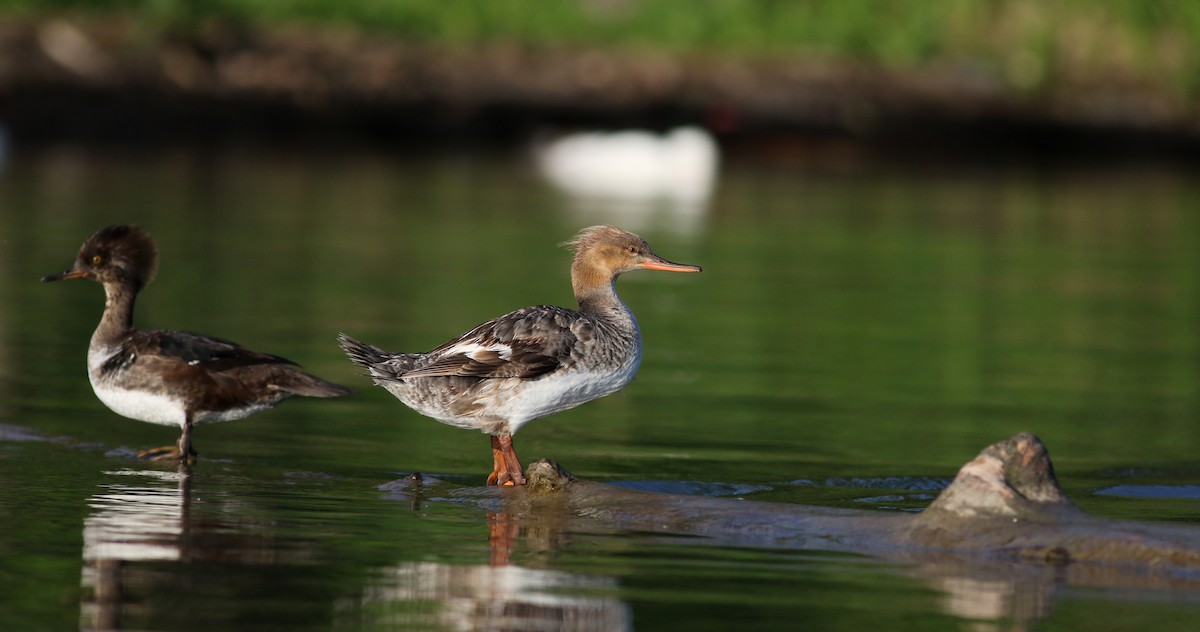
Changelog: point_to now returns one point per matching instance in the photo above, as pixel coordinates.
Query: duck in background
(167, 377)
(634, 176)
(532, 362)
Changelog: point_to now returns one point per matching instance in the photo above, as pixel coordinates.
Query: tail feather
(312, 386)
(361, 353)
(377, 362)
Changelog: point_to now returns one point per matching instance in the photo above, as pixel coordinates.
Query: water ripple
(1152, 491)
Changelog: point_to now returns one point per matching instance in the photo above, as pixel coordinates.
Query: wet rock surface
(1004, 505)
(1000, 542)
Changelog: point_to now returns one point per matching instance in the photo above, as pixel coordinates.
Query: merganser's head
(604, 252)
(120, 254)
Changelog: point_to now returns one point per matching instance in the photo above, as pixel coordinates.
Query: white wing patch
(477, 351)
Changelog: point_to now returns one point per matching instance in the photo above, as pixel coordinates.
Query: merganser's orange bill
(658, 263)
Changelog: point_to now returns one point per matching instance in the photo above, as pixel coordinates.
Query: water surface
(855, 336)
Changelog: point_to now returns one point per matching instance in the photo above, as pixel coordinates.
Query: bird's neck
(601, 303)
(594, 291)
(117, 320)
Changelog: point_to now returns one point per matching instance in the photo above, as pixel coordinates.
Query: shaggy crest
(610, 235)
(593, 234)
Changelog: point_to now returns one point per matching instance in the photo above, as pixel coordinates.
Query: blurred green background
(924, 71)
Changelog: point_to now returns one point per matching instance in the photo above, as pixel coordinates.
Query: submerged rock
(1003, 505)
(1007, 502)
(1012, 478)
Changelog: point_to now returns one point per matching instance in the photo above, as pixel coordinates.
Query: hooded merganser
(172, 377)
(532, 362)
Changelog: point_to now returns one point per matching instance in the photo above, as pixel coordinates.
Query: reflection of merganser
(531, 362)
(173, 378)
(429, 595)
(137, 522)
(679, 165)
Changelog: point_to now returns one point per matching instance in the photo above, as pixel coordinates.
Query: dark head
(122, 255)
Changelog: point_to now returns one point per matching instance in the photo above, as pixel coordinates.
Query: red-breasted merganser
(532, 362)
(173, 378)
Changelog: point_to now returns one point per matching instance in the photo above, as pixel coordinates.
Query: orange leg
(506, 468)
(497, 462)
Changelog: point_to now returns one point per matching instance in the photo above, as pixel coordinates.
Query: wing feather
(526, 343)
(214, 354)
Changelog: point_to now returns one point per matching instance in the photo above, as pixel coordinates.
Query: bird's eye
(96, 259)
(633, 250)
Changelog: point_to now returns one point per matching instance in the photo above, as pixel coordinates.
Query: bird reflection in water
(139, 527)
(487, 597)
(142, 520)
(498, 595)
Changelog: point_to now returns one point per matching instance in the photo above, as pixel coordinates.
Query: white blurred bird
(633, 165)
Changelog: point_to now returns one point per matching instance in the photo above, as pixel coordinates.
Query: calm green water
(855, 337)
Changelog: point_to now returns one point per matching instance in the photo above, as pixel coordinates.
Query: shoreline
(104, 80)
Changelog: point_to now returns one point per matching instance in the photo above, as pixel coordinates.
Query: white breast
(563, 390)
(140, 405)
(560, 392)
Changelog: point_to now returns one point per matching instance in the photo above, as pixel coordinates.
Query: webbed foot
(166, 453)
(506, 468)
